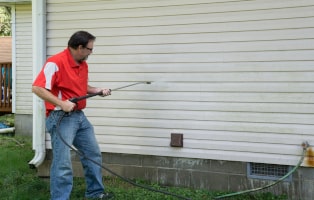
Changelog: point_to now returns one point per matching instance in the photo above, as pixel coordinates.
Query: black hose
(112, 172)
(76, 99)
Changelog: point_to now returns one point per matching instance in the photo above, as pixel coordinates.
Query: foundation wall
(213, 175)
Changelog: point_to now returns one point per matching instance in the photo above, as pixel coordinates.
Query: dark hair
(80, 38)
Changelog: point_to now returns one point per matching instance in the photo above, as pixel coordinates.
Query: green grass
(7, 119)
(19, 182)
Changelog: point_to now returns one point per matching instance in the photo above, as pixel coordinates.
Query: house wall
(23, 41)
(234, 77)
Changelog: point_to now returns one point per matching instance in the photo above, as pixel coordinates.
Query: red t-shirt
(64, 78)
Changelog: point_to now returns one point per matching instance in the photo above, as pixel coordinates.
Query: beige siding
(235, 77)
(24, 67)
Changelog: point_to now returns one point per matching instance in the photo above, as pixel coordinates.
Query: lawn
(19, 182)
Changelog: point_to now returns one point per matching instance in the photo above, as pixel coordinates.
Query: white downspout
(39, 57)
(13, 32)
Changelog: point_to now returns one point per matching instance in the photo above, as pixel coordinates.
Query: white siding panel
(24, 64)
(234, 76)
(285, 66)
(283, 35)
(214, 77)
(202, 153)
(217, 97)
(305, 44)
(196, 18)
(164, 8)
(263, 107)
(207, 116)
(185, 125)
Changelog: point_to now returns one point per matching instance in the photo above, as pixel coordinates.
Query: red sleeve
(47, 76)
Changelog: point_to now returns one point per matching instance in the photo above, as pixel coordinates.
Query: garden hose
(75, 100)
(109, 170)
(305, 145)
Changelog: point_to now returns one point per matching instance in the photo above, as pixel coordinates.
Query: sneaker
(106, 196)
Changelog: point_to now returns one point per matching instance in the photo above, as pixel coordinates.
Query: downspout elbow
(38, 159)
(38, 133)
(39, 56)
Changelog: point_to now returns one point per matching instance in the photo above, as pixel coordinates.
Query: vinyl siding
(235, 77)
(24, 63)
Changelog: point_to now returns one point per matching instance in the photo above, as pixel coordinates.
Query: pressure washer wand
(119, 88)
(76, 99)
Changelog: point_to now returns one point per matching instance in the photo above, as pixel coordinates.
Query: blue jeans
(77, 131)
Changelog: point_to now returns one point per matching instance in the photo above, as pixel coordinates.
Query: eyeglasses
(91, 49)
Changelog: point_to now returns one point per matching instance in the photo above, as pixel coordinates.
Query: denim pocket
(53, 119)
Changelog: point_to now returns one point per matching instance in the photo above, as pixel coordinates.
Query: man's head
(81, 44)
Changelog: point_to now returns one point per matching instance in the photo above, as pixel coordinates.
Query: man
(64, 76)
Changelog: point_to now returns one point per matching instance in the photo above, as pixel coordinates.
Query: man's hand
(94, 90)
(106, 92)
(67, 106)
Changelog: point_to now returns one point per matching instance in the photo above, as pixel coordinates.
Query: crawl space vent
(268, 171)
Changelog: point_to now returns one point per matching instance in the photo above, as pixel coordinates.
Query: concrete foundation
(23, 124)
(211, 175)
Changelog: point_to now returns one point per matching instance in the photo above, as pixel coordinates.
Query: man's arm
(46, 95)
(93, 90)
